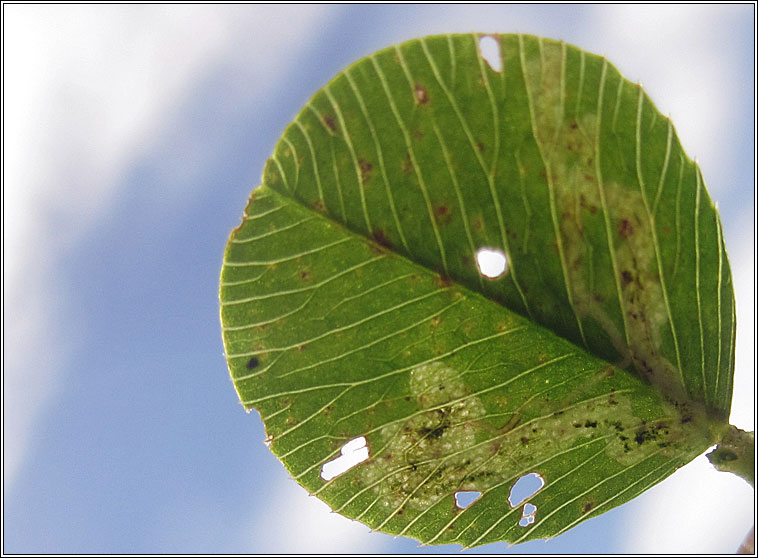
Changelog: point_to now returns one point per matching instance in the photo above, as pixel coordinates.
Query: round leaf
(412, 389)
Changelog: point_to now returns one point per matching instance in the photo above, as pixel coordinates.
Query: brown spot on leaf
(625, 228)
(443, 281)
(588, 506)
(380, 237)
(419, 92)
(442, 214)
(407, 164)
(626, 278)
(365, 168)
(329, 123)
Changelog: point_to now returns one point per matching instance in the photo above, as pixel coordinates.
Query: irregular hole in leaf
(464, 498)
(490, 49)
(492, 263)
(524, 488)
(352, 453)
(528, 515)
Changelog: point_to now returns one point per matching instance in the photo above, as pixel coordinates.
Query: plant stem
(735, 453)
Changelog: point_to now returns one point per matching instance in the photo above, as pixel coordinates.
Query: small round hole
(492, 263)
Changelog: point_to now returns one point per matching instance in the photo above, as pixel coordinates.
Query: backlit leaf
(359, 319)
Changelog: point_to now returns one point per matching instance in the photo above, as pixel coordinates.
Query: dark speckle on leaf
(625, 228)
(380, 237)
(443, 281)
(329, 122)
(252, 363)
(365, 167)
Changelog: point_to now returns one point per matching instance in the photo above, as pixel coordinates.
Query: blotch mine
(583, 199)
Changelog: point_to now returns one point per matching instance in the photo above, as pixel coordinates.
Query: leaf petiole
(735, 453)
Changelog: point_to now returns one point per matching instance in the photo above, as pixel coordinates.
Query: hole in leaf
(524, 488)
(492, 263)
(490, 49)
(527, 516)
(464, 498)
(352, 453)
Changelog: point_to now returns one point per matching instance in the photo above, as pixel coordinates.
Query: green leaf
(353, 307)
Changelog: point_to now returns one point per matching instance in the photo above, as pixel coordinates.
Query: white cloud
(88, 90)
(698, 510)
(299, 523)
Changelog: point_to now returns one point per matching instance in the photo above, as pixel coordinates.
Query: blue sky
(133, 136)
